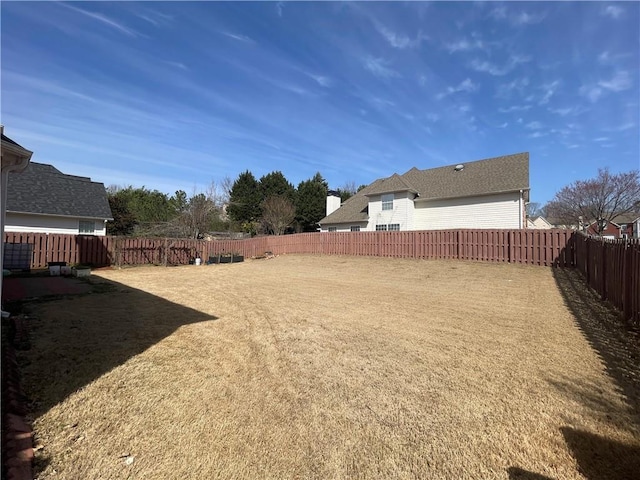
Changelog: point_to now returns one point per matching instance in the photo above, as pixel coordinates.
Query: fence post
(603, 275)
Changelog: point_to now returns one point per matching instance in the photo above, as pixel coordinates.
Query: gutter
(60, 215)
(431, 199)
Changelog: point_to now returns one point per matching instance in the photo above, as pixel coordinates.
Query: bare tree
(226, 185)
(598, 199)
(278, 213)
(535, 209)
(347, 190)
(195, 214)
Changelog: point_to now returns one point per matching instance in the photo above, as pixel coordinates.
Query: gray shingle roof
(482, 177)
(43, 189)
(395, 183)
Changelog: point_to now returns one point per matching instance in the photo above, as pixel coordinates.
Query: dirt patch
(321, 367)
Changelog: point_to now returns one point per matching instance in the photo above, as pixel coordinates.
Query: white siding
(402, 213)
(18, 222)
(491, 211)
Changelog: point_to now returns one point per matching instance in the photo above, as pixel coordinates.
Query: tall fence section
(612, 268)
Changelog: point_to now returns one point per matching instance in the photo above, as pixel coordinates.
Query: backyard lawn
(313, 367)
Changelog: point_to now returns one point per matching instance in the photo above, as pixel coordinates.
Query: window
(355, 228)
(332, 229)
(392, 227)
(86, 227)
(387, 201)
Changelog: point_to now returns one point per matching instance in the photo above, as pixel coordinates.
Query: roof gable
(43, 189)
(394, 183)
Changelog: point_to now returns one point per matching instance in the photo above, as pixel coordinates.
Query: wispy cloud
(621, 128)
(608, 58)
(155, 18)
(499, 13)
(515, 108)
(465, 45)
(549, 90)
(506, 90)
(619, 82)
(592, 93)
(524, 18)
(179, 65)
(239, 37)
(613, 11)
(563, 112)
(279, 8)
(378, 66)
(399, 40)
(516, 19)
(535, 125)
(496, 70)
(104, 20)
(465, 86)
(537, 134)
(321, 80)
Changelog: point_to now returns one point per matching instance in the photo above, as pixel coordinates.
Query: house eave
(431, 199)
(410, 190)
(60, 215)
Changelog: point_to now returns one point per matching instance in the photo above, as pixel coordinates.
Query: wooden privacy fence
(612, 268)
(533, 247)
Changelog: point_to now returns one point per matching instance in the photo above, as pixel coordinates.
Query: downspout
(520, 205)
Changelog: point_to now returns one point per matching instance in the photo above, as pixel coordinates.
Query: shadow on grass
(516, 473)
(607, 333)
(77, 339)
(601, 458)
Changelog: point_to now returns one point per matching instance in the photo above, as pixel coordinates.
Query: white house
(489, 193)
(42, 199)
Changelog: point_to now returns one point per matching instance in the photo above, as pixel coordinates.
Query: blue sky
(174, 95)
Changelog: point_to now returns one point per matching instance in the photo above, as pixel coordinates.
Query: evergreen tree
(311, 201)
(244, 199)
(275, 184)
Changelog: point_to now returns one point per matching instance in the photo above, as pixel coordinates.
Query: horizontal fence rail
(610, 267)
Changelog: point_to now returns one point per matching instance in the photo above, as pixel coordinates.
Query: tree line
(269, 205)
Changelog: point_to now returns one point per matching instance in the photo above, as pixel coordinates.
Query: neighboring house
(44, 200)
(559, 223)
(538, 223)
(487, 193)
(14, 158)
(621, 226)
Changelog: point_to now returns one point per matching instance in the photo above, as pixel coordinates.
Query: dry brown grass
(325, 367)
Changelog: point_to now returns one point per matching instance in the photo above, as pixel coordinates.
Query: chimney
(333, 202)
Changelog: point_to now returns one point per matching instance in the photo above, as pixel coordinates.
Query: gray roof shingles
(482, 177)
(43, 189)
